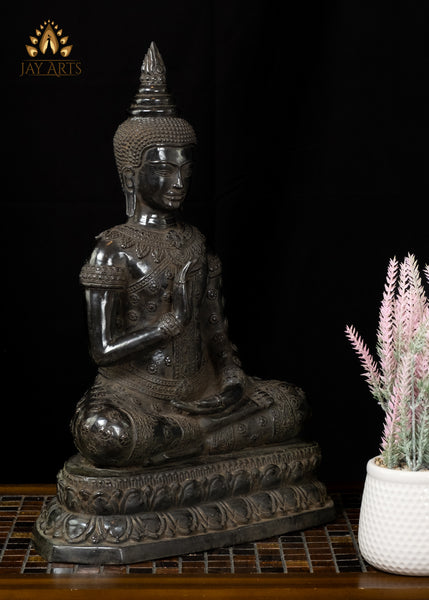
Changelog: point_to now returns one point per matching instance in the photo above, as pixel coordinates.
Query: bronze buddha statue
(169, 387)
(169, 381)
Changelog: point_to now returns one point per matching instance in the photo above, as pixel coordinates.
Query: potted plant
(394, 520)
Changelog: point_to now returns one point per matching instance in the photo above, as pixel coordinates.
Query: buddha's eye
(186, 170)
(162, 169)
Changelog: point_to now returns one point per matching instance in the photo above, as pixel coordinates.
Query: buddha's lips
(174, 198)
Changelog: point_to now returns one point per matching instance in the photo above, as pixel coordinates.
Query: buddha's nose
(179, 181)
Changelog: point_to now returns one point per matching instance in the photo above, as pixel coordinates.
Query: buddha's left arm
(223, 352)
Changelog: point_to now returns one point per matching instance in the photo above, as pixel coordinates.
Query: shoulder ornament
(125, 238)
(174, 245)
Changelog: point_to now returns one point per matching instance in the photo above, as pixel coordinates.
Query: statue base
(106, 516)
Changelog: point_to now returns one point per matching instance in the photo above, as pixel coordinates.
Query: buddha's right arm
(105, 286)
(108, 341)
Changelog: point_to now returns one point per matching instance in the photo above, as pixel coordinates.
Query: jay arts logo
(49, 53)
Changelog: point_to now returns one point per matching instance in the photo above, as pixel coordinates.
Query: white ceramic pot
(394, 520)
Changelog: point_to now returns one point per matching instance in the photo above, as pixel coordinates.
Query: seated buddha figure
(169, 381)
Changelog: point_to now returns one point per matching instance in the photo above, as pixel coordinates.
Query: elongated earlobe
(130, 203)
(129, 191)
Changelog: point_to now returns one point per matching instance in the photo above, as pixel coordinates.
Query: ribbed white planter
(394, 520)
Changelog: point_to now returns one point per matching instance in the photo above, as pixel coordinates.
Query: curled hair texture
(137, 134)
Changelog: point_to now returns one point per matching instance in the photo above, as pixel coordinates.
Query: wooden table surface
(321, 562)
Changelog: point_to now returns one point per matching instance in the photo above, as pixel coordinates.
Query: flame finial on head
(152, 98)
(153, 69)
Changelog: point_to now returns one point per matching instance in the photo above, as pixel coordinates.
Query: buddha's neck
(150, 218)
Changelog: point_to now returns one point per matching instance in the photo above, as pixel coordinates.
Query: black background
(311, 173)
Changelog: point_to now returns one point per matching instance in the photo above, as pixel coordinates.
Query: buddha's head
(153, 147)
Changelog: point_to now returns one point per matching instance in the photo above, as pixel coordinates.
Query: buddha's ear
(128, 185)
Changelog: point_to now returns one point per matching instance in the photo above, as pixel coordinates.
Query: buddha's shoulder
(107, 267)
(113, 257)
(116, 242)
(107, 247)
(106, 259)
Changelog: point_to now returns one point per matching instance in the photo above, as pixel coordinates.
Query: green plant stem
(422, 435)
(413, 417)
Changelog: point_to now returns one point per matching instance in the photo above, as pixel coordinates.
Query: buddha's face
(163, 180)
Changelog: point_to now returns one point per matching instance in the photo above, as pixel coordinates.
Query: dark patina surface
(179, 449)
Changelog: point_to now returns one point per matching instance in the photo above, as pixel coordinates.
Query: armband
(103, 276)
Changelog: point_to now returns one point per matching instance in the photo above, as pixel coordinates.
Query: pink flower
(400, 381)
